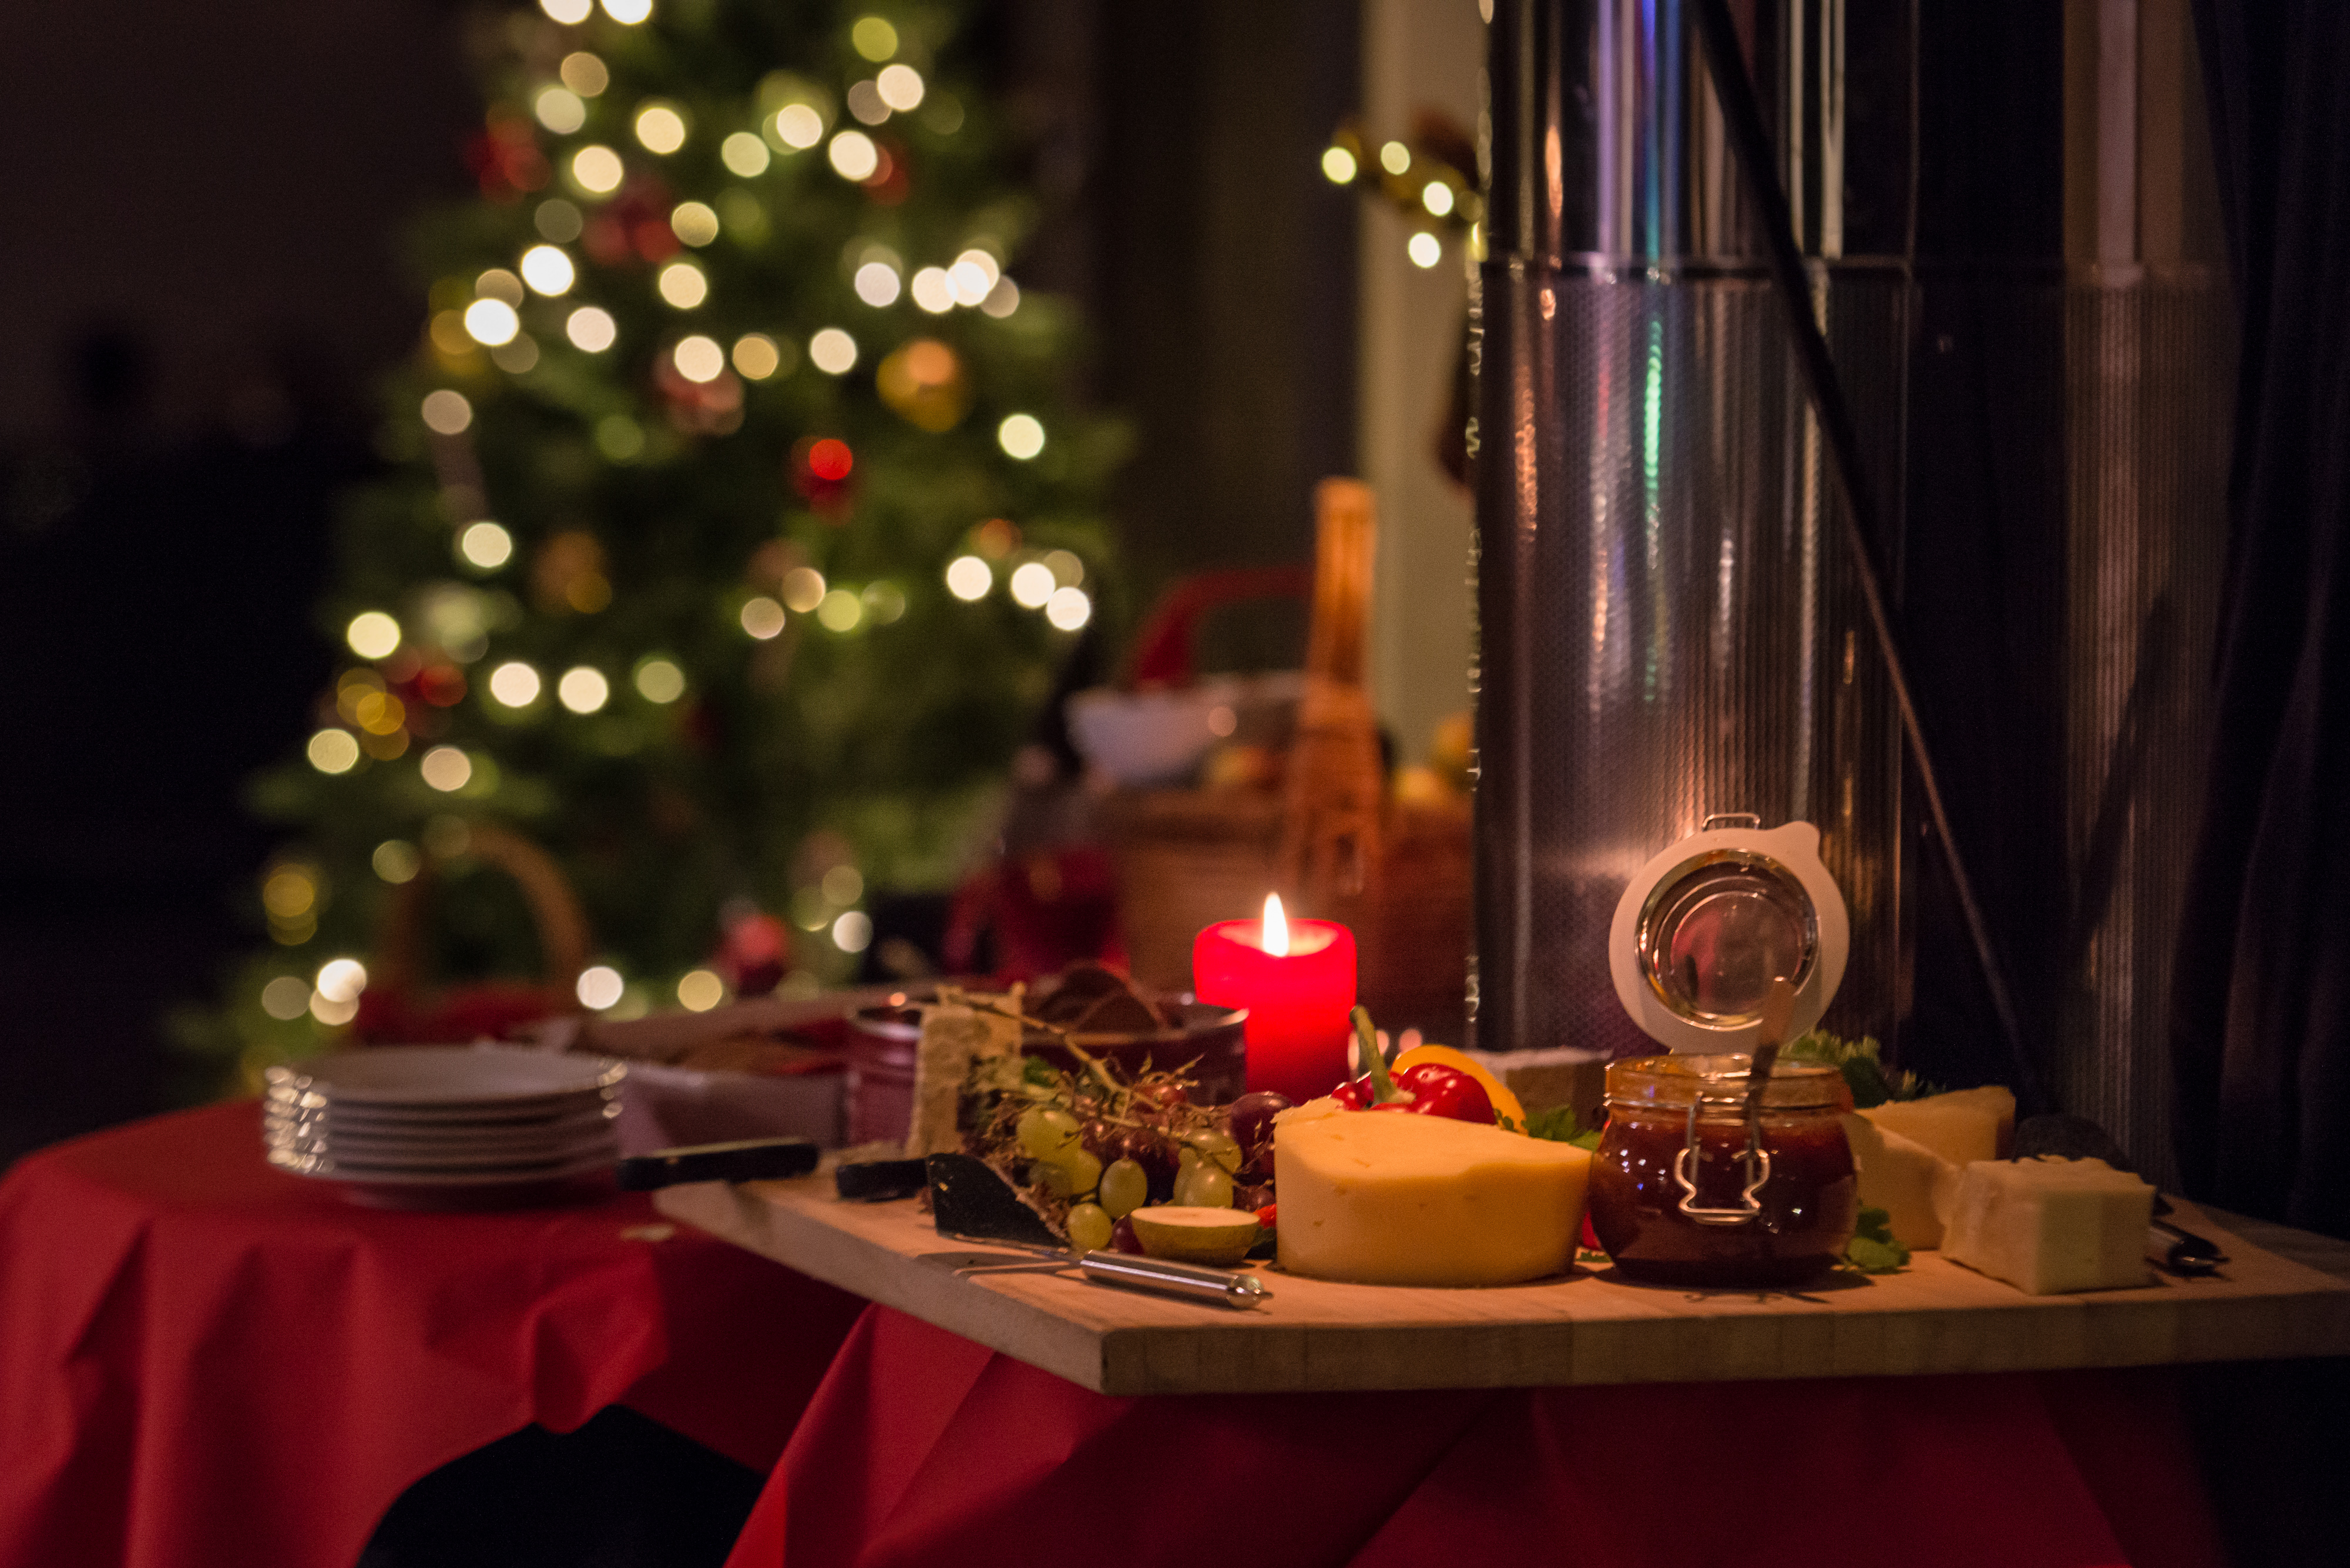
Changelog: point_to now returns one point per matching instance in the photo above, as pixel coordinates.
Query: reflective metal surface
(1720, 931)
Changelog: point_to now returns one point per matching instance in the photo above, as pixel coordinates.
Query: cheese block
(2051, 1226)
(953, 1036)
(1961, 1127)
(1390, 1198)
(1910, 1182)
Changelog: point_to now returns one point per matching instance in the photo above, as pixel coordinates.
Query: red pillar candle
(1298, 987)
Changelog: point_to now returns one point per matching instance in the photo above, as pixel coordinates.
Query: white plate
(492, 1114)
(325, 1169)
(411, 1157)
(333, 1122)
(460, 1078)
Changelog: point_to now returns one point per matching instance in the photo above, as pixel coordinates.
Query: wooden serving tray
(1587, 1327)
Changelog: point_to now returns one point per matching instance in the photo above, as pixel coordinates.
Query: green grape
(1089, 1227)
(1047, 1133)
(1075, 1175)
(1204, 1185)
(1125, 1187)
(1218, 1148)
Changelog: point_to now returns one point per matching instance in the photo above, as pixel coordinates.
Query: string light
(969, 578)
(698, 359)
(372, 635)
(682, 285)
(1066, 569)
(852, 931)
(285, 997)
(1033, 586)
(333, 1013)
(757, 356)
(548, 270)
(900, 88)
(583, 689)
(620, 438)
(514, 684)
(395, 861)
(1338, 166)
(804, 586)
(843, 885)
(1068, 608)
(492, 322)
(866, 103)
(446, 768)
(599, 987)
(1003, 299)
(932, 290)
(1394, 158)
(627, 12)
(693, 223)
(558, 219)
(485, 546)
(341, 979)
(597, 170)
(839, 610)
(559, 109)
(854, 156)
(446, 413)
(591, 329)
(584, 74)
(744, 154)
(570, 13)
(659, 681)
(660, 127)
(1436, 197)
(833, 351)
(333, 750)
(874, 38)
(763, 618)
(973, 274)
(798, 126)
(877, 284)
(1020, 436)
(700, 990)
(1425, 249)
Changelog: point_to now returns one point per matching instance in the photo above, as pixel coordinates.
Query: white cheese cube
(2051, 1226)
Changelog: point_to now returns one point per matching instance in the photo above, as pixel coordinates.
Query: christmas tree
(734, 526)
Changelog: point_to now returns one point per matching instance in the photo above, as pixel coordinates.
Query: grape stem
(1383, 1091)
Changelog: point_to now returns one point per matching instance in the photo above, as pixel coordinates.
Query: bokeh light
(485, 546)
(620, 438)
(627, 12)
(289, 892)
(839, 610)
(798, 126)
(932, 290)
(333, 1013)
(591, 329)
(969, 577)
(558, 219)
(1066, 569)
(285, 997)
(659, 681)
(700, 990)
(973, 274)
(1020, 436)
(852, 931)
(514, 683)
(372, 634)
(900, 88)
(395, 861)
(1003, 299)
(446, 768)
(333, 750)
(660, 129)
(744, 154)
(682, 286)
(877, 284)
(600, 987)
(597, 170)
(1425, 249)
(863, 101)
(446, 413)
(843, 885)
(699, 358)
(763, 617)
(756, 356)
(559, 109)
(833, 351)
(854, 156)
(804, 588)
(1338, 166)
(584, 74)
(583, 689)
(570, 13)
(491, 322)
(1068, 608)
(341, 979)
(1394, 158)
(1033, 585)
(884, 602)
(548, 270)
(1436, 197)
(694, 223)
(874, 38)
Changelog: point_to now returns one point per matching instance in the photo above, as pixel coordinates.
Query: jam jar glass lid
(1674, 1082)
(1709, 923)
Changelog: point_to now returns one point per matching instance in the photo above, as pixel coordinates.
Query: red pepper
(1429, 1089)
(1265, 1215)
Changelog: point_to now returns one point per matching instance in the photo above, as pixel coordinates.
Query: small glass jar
(1686, 1191)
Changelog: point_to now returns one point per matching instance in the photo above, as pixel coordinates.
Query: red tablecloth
(206, 1362)
(922, 1449)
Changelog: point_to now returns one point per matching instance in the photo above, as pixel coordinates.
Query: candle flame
(1276, 926)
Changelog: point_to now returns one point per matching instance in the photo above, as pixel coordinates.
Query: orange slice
(1506, 1103)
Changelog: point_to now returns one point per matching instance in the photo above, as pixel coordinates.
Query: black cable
(1743, 115)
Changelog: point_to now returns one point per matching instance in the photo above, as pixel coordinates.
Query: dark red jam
(1807, 1208)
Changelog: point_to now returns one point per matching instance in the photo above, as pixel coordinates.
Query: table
(206, 1361)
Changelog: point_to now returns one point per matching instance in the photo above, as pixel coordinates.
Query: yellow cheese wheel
(1390, 1198)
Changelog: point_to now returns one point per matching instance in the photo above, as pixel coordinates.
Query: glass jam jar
(1686, 1191)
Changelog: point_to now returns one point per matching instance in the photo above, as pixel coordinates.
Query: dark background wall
(200, 280)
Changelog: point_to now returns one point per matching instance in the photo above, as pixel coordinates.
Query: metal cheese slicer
(971, 1203)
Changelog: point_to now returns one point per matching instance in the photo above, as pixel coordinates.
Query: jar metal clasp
(1757, 1160)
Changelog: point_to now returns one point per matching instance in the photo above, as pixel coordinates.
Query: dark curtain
(2260, 1012)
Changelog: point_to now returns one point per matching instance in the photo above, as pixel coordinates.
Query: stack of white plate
(443, 1126)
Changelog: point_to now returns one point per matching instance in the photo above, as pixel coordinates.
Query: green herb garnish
(1862, 1062)
(1873, 1250)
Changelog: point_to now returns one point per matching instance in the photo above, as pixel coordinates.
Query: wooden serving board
(1587, 1327)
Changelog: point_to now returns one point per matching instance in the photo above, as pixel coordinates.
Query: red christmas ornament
(753, 954)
